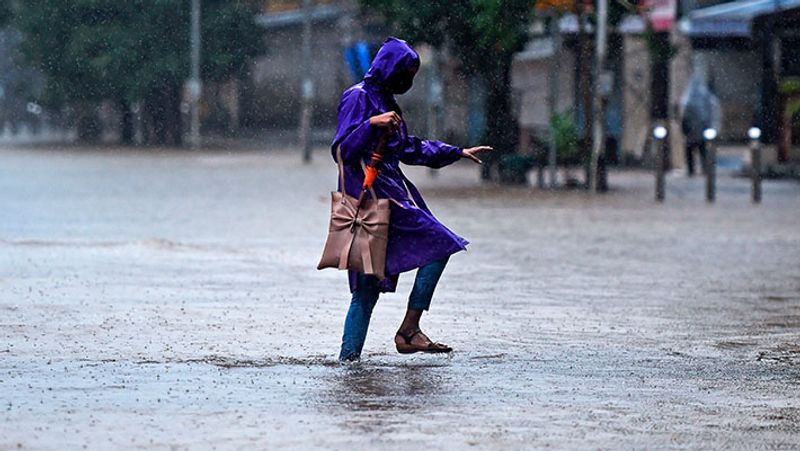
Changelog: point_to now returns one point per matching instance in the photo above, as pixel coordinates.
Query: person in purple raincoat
(416, 238)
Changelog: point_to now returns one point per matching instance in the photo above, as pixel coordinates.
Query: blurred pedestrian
(416, 238)
(700, 110)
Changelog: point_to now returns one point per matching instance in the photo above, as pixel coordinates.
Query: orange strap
(371, 169)
(370, 173)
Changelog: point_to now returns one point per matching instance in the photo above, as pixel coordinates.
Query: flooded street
(171, 301)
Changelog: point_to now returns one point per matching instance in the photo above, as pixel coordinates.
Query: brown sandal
(408, 348)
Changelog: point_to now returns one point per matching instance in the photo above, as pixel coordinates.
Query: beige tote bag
(357, 237)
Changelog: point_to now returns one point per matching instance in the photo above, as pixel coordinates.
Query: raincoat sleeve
(354, 133)
(433, 154)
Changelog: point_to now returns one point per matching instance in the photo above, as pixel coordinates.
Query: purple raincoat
(416, 238)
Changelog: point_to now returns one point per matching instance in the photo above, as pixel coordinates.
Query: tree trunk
(769, 113)
(164, 112)
(501, 129)
(659, 86)
(126, 124)
(87, 125)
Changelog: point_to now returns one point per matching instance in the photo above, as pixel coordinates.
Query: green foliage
(789, 86)
(478, 31)
(617, 9)
(565, 135)
(661, 50)
(483, 35)
(616, 12)
(6, 12)
(98, 49)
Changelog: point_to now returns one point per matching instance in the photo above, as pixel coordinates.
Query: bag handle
(341, 174)
(408, 191)
(372, 190)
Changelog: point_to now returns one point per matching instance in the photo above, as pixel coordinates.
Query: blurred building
(746, 50)
(272, 99)
(628, 110)
(343, 44)
(749, 51)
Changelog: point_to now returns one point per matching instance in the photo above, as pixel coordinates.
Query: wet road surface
(169, 300)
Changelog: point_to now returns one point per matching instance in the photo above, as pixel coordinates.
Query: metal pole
(195, 86)
(711, 164)
(307, 87)
(659, 133)
(552, 99)
(600, 54)
(755, 163)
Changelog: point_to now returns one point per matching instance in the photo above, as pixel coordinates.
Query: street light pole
(195, 87)
(600, 86)
(307, 87)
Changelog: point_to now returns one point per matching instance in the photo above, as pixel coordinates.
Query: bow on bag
(368, 220)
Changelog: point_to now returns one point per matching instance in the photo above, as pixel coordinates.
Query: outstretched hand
(472, 153)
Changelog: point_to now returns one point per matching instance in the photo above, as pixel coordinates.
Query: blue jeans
(366, 296)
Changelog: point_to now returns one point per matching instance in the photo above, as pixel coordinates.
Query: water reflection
(387, 393)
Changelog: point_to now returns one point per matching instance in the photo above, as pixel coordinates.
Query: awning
(732, 20)
(295, 17)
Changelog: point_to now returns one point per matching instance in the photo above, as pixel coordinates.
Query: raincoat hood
(394, 67)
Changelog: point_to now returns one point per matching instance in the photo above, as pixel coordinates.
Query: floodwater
(163, 300)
